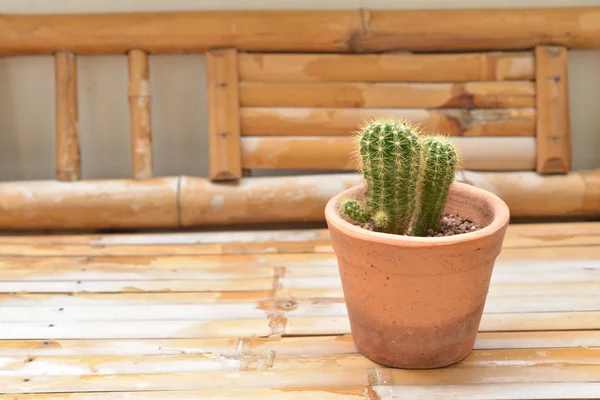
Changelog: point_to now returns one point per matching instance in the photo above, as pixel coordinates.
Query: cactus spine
(353, 210)
(407, 177)
(390, 152)
(438, 166)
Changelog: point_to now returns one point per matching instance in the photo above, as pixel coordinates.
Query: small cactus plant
(407, 177)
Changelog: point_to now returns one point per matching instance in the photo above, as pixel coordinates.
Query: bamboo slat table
(261, 315)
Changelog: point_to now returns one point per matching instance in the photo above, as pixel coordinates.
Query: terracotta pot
(416, 302)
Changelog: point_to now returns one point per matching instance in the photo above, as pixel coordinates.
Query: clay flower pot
(417, 302)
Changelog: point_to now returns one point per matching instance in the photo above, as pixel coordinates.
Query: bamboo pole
(191, 202)
(89, 204)
(224, 117)
(139, 114)
(343, 121)
(68, 157)
(392, 67)
(302, 31)
(336, 153)
(480, 29)
(256, 200)
(553, 121)
(180, 32)
(388, 95)
(534, 195)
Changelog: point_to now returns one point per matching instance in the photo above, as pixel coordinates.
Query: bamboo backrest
(286, 89)
(506, 110)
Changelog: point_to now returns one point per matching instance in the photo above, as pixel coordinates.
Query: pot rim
(500, 220)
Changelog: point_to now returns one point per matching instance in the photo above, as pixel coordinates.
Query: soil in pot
(450, 225)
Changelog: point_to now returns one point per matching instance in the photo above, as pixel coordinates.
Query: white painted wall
(179, 93)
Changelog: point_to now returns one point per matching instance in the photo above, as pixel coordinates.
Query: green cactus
(353, 210)
(407, 177)
(439, 163)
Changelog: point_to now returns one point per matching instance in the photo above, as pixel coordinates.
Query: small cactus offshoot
(407, 178)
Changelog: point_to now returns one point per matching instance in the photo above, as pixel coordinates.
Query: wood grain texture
(336, 153)
(346, 393)
(530, 191)
(307, 379)
(140, 115)
(388, 95)
(246, 242)
(143, 364)
(68, 155)
(541, 234)
(392, 67)
(344, 121)
(147, 326)
(224, 119)
(524, 28)
(178, 32)
(279, 30)
(553, 117)
(194, 202)
(258, 200)
(89, 204)
(483, 391)
(286, 347)
(591, 182)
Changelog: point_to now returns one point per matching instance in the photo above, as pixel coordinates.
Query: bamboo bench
(209, 309)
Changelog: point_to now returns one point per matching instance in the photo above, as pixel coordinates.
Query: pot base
(430, 347)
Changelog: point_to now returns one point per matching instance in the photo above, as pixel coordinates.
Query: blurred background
(179, 124)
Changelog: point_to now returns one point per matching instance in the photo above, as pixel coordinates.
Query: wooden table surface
(261, 315)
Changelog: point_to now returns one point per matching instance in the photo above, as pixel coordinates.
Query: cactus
(407, 177)
(353, 210)
(439, 162)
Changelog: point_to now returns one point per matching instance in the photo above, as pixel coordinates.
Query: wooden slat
(139, 115)
(192, 202)
(553, 119)
(325, 392)
(327, 288)
(224, 119)
(136, 329)
(492, 391)
(126, 286)
(131, 298)
(541, 234)
(325, 307)
(250, 270)
(286, 347)
(206, 362)
(483, 391)
(388, 95)
(398, 67)
(344, 121)
(68, 158)
(313, 378)
(336, 153)
(489, 323)
(503, 297)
